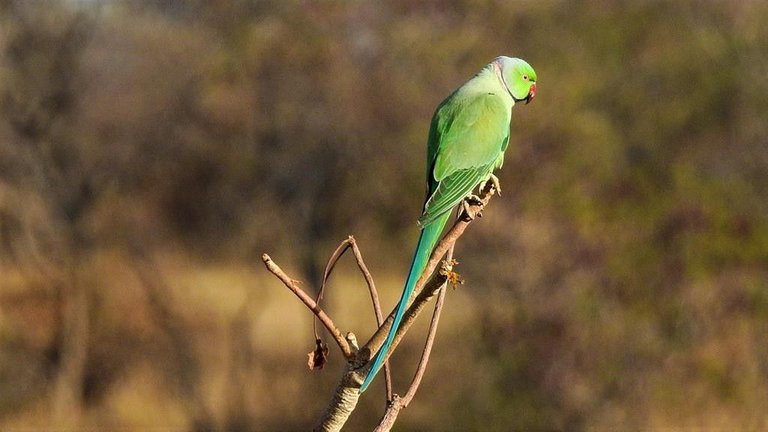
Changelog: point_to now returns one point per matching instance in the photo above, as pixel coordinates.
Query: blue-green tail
(427, 240)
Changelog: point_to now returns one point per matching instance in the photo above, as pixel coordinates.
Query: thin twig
(368, 278)
(329, 266)
(376, 308)
(416, 382)
(398, 403)
(292, 285)
(345, 245)
(430, 340)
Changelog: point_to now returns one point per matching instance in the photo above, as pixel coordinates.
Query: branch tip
(293, 286)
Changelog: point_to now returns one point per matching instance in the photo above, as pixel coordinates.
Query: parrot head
(519, 78)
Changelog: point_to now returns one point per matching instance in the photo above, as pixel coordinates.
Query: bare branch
(343, 402)
(292, 285)
(346, 244)
(329, 266)
(347, 392)
(428, 344)
(398, 403)
(350, 243)
(471, 212)
(368, 280)
(376, 308)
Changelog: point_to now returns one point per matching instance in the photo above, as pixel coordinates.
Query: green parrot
(467, 139)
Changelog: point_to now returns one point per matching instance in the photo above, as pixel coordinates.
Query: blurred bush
(150, 151)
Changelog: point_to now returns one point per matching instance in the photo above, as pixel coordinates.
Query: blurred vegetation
(150, 151)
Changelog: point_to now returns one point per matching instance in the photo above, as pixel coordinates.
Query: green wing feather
(451, 191)
(468, 137)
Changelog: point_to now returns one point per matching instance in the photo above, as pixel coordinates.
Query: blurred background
(152, 150)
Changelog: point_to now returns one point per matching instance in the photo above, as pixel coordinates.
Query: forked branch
(293, 285)
(345, 245)
(347, 393)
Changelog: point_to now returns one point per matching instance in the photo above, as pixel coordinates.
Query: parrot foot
(495, 182)
(470, 211)
(473, 200)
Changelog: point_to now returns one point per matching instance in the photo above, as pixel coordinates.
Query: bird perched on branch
(467, 140)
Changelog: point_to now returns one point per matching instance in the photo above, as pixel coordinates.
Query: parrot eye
(525, 77)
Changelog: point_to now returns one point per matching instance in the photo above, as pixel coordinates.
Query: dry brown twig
(345, 245)
(293, 285)
(398, 403)
(347, 393)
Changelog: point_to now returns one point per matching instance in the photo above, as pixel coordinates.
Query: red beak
(531, 94)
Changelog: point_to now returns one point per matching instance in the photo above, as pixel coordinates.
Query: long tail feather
(427, 240)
